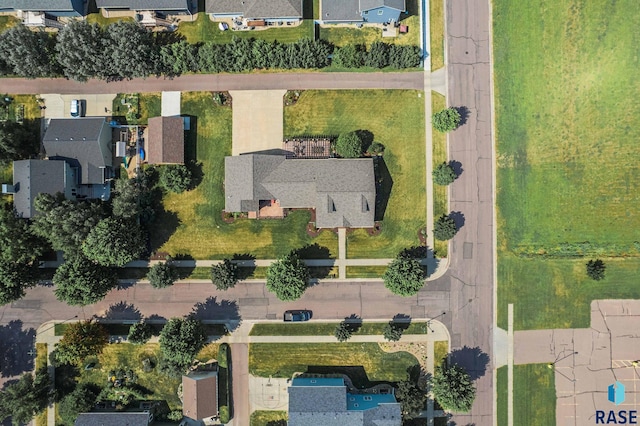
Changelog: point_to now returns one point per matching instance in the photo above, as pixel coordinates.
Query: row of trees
(125, 49)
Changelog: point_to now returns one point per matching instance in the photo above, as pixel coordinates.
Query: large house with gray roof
(167, 7)
(267, 10)
(342, 191)
(79, 164)
(115, 418)
(361, 11)
(327, 402)
(44, 13)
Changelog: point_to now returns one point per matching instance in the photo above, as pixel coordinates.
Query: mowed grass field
(440, 193)
(396, 119)
(192, 224)
(566, 113)
(534, 395)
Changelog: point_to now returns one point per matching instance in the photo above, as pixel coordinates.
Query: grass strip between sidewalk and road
(327, 329)
(436, 24)
(440, 193)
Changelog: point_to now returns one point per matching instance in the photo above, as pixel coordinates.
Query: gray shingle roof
(257, 9)
(374, 4)
(341, 190)
(84, 143)
(144, 4)
(43, 5)
(112, 419)
(32, 177)
(166, 140)
(341, 10)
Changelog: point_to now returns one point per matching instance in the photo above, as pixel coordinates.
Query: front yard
(396, 119)
(192, 224)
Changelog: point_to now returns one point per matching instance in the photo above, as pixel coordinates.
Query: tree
(378, 55)
(65, 223)
(114, 242)
(288, 277)
(404, 276)
(343, 331)
(181, 340)
(81, 400)
(179, 58)
(445, 228)
(595, 269)
(162, 274)
(129, 51)
(453, 388)
(175, 178)
(376, 148)
(349, 56)
(224, 275)
(80, 51)
(140, 333)
(17, 141)
(124, 200)
(446, 120)
(349, 145)
(404, 56)
(80, 281)
(392, 331)
(412, 399)
(80, 340)
(444, 174)
(28, 53)
(26, 398)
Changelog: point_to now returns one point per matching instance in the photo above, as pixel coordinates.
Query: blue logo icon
(616, 393)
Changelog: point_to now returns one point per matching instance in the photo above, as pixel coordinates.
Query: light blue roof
(322, 381)
(368, 401)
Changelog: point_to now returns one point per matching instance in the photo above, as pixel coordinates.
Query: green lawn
(440, 351)
(284, 359)
(365, 271)
(198, 213)
(341, 36)
(265, 418)
(396, 119)
(129, 356)
(326, 329)
(566, 114)
(436, 24)
(7, 21)
(534, 395)
(440, 193)
(100, 19)
(148, 105)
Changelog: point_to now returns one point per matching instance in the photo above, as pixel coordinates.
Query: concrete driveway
(257, 120)
(57, 105)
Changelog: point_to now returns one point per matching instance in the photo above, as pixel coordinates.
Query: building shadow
(16, 344)
(384, 184)
(474, 360)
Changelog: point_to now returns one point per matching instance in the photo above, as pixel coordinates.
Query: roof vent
(57, 139)
(84, 139)
(70, 139)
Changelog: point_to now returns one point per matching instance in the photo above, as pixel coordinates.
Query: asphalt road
(221, 82)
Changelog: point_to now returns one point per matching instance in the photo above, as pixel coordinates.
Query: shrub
(349, 145)
(224, 414)
(140, 333)
(175, 415)
(392, 332)
(343, 331)
(162, 274)
(175, 178)
(376, 148)
(224, 275)
(444, 174)
(223, 354)
(446, 120)
(445, 228)
(595, 269)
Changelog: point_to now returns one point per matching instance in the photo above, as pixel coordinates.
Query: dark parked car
(295, 316)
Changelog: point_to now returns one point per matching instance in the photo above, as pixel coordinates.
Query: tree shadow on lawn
(366, 137)
(162, 228)
(224, 311)
(122, 311)
(15, 343)
(246, 265)
(472, 359)
(315, 251)
(384, 184)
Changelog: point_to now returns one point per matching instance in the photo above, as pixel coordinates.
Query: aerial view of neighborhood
(319, 212)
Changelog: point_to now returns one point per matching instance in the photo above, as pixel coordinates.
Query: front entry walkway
(257, 120)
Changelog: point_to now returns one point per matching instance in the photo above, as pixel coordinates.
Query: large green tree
(80, 340)
(343, 331)
(129, 51)
(181, 340)
(162, 274)
(81, 400)
(446, 120)
(224, 275)
(392, 331)
(404, 276)
(17, 141)
(80, 281)
(349, 145)
(140, 333)
(443, 174)
(29, 53)
(175, 178)
(412, 399)
(444, 228)
(453, 388)
(288, 277)
(65, 223)
(349, 56)
(114, 242)
(26, 398)
(80, 51)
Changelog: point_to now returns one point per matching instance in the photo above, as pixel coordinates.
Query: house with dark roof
(327, 402)
(41, 13)
(200, 396)
(361, 11)
(33, 177)
(149, 13)
(342, 191)
(267, 10)
(115, 418)
(165, 140)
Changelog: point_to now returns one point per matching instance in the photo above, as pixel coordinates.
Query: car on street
(296, 316)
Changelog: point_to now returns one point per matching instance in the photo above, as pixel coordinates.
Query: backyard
(136, 108)
(199, 212)
(363, 362)
(396, 119)
(534, 395)
(566, 113)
